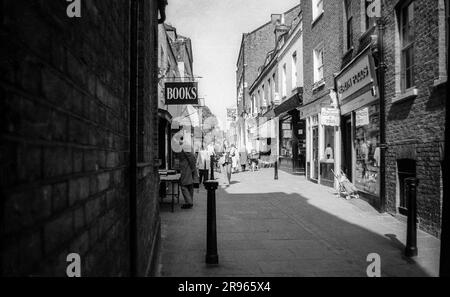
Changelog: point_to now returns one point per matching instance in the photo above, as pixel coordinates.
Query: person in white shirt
(329, 152)
(203, 164)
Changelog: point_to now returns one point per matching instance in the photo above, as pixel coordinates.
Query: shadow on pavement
(276, 234)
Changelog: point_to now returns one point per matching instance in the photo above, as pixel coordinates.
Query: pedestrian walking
(203, 163)
(234, 158)
(189, 177)
(226, 162)
(254, 156)
(243, 159)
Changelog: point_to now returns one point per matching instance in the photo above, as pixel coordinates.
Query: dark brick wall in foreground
(64, 152)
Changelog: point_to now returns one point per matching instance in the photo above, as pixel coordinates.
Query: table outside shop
(174, 180)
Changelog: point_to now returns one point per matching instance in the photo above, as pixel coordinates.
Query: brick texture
(254, 48)
(415, 127)
(64, 138)
(327, 31)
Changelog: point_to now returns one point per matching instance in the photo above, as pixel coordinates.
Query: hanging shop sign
(330, 117)
(231, 114)
(358, 75)
(181, 93)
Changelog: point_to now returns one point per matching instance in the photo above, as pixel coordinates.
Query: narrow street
(289, 227)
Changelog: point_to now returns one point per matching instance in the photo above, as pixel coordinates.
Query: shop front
(322, 140)
(267, 139)
(292, 136)
(360, 110)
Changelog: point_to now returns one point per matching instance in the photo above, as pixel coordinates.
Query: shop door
(315, 135)
(348, 147)
(301, 158)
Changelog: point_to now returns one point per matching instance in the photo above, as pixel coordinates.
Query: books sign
(181, 93)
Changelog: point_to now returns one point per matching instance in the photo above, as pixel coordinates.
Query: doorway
(347, 164)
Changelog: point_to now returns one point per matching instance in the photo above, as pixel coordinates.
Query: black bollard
(276, 169)
(411, 239)
(211, 164)
(211, 232)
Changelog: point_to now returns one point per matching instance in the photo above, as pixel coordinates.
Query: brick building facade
(415, 109)
(253, 52)
(323, 50)
(66, 115)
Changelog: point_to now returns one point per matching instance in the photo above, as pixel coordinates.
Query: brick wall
(64, 139)
(415, 127)
(256, 45)
(327, 31)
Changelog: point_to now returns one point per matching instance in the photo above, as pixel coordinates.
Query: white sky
(216, 27)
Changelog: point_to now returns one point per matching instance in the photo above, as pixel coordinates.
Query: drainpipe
(134, 9)
(383, 145)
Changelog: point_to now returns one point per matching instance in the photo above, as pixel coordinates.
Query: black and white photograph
(241, 140)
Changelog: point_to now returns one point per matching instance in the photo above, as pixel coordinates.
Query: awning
(290, 104)
(268, 130)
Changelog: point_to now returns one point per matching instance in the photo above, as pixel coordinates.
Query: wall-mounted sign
(330, 117)
(357, 76)
(231, 114)
(181, 93)
(362, 117)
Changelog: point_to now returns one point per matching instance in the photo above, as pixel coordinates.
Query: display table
(174, 180)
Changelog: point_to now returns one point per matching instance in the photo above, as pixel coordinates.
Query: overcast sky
(216, 27)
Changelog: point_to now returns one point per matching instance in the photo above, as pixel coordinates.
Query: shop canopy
(268, 130)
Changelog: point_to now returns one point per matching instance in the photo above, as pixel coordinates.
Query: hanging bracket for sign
(181, 93)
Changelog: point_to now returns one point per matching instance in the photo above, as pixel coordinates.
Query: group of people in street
(195, 168)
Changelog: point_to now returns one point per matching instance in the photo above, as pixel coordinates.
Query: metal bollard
(411, 240)
(211, 232)
(276, 169)
(211, 164)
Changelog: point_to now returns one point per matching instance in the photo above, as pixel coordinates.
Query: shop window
(406, 169)
(407, 36)
(367, 148)
(328, 155)
(286, 138)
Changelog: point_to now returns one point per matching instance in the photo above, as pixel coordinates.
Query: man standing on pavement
(203, 162)
(189, 176)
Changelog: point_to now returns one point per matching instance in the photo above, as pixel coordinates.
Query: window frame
(283, 81)
(317, 68)
(294, 71)
(349, 23)
(405, 48)
(315, 9)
